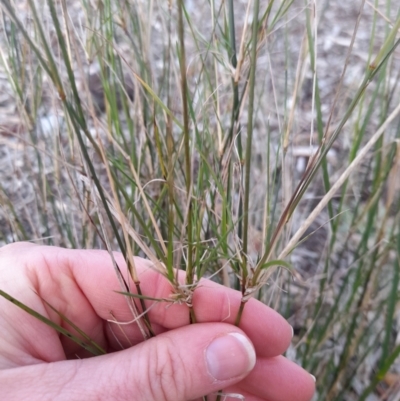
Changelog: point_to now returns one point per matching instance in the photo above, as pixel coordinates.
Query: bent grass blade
(90, 346)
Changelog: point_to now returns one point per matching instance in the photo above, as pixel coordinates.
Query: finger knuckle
(166, 372)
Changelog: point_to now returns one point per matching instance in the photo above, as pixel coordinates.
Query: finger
(273, 379)
(233, 393)
(286, 381)
(268, 331)
(179, 365)
(24, 339)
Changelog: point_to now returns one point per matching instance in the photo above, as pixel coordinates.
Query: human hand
(183, 362)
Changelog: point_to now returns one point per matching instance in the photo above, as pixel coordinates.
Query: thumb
(179, 365)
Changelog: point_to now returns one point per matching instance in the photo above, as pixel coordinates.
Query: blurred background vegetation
(254, 142)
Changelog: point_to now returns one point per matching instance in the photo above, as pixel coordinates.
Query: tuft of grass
(254, 143)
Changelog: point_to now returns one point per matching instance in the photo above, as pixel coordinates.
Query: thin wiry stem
(186, 141)
(249, 143)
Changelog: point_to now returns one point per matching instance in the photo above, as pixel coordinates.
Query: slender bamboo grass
(164, 172)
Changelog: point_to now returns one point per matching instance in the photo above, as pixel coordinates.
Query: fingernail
(313, 377)
(230, 356)
(292, 331)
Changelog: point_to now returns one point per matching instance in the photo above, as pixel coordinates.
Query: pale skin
(183, 362)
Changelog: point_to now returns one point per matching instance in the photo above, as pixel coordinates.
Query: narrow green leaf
(55, 326)
(276, 262)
